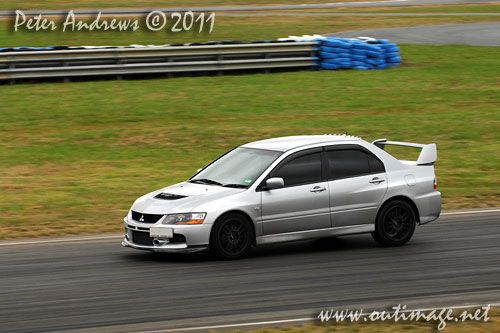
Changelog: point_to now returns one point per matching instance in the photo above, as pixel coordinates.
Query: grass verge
(74, 156)
(492, 325)
(235, 28)
(492, 7)
(61, 4)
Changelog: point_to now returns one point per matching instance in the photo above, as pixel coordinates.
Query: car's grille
(169, 196)
(146, 218)
(141, 238)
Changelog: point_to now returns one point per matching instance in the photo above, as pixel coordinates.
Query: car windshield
(239, 168)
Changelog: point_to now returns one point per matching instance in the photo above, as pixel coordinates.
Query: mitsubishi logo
(141, 219)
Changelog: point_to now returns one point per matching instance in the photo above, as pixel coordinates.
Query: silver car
(288, 189)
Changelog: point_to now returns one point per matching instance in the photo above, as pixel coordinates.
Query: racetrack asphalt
(141, 11)
(96, 285)
(467, 34)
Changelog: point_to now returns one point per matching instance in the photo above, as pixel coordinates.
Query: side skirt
(318, 233)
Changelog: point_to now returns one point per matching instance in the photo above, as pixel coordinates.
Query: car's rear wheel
(395, 224)
(231, 237)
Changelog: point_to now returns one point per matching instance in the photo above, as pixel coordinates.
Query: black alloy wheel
(395, 224)
(232, 237)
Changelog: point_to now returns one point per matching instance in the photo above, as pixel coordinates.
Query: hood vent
(169, 196)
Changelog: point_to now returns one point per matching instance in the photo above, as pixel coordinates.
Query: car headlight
(187, 218)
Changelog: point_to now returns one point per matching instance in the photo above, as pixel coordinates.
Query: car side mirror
(274, 183)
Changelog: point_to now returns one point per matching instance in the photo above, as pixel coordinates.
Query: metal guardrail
(39, 65)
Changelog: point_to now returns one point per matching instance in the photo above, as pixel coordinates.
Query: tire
(231, 237)
(395, 224)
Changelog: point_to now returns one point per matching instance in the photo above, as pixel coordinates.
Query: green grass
(64, 4)
(493, 7)
(492, 325)
(74, 156)
(467, 8)
(75, 4)
(235, 28)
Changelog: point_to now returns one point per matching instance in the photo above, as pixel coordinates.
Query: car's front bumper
(173, 248)
(187, 238)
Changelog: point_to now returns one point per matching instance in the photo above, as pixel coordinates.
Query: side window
(375, 165)
(351, 163)
(347, 163)
(301, 170)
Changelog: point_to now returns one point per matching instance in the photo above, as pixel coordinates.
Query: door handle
(317, 189)
(376, 180)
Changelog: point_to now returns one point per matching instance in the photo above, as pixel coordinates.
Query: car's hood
(196, 194)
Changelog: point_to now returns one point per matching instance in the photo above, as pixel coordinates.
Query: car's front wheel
(231, 237)
(395, 224)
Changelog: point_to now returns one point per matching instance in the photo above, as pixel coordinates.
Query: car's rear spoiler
(427, 156)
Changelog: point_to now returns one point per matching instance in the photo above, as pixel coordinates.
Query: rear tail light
(435, 184)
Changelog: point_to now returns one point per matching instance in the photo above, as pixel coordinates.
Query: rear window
(375, 165)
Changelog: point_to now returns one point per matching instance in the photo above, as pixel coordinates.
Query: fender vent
(169, 196)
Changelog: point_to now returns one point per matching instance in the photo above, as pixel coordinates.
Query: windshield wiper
(235, 185)
(205, 181)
